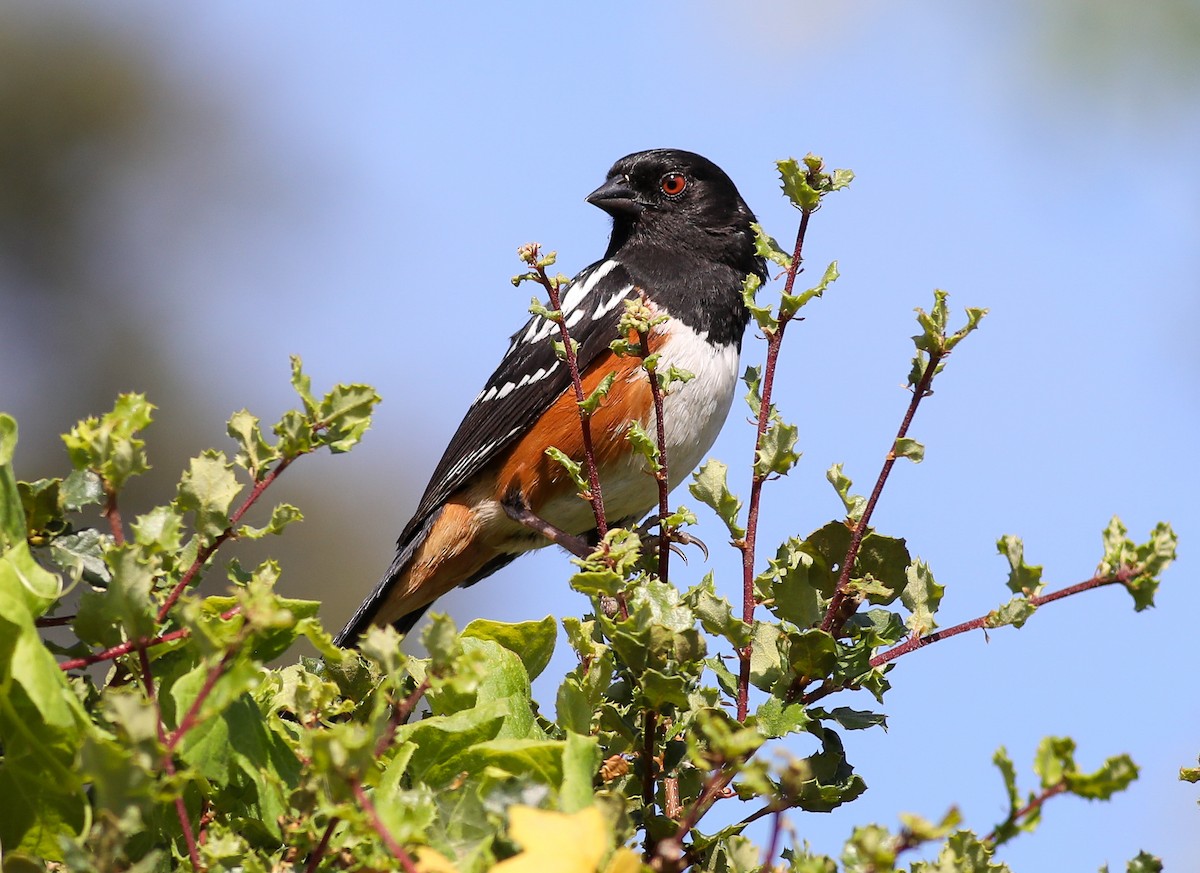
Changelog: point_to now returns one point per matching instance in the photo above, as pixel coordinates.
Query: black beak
(616, 198)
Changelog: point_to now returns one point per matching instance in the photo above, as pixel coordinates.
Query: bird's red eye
(673, 184)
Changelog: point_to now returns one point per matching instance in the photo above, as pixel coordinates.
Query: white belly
(694, 413)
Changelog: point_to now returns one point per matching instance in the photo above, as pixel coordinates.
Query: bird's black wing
(528, 381)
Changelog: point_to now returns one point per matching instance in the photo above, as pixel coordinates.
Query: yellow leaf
(431, 861)
(556, 842)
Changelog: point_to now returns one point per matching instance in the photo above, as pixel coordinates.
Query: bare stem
(406, 860)
(773, 845)
(1035, 803)
(748, 543)
(1122, 577)
(207, 551)
(314, 858)
(595, 495)
(122, 649)
(400, 715)
(839, 610)
(113, 513)
(661, 475)
(185, 824)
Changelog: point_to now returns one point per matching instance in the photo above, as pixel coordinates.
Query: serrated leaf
(1022, 578)
(909, 448)
(921, 596)
(763, 316)
(282, 515)
(1115, 774)
(855, 504)
(107, 445)
(790, 304)
(207, 489)
(573, 469)
(765, 246)
(776, 453)
(644, 444)
(254, 453)
(1015, 612)
(774, 718)
(592, 402)
(711, 487)
(812, 653)
(344, 415)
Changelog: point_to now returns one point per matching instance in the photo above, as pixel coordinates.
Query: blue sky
(398, 154)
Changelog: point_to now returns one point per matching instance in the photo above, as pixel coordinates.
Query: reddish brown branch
(1121, 577)
(400, 715)
(206, 552)
(595, 495)
(314, 858)
(185, 823)
(406, 860)
(128, 646)
(661, 475)
(748, 543)
(839, 611)
(1028, 809)
(113, 514)
(192, 716)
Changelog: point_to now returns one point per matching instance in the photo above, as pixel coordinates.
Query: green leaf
(790, 304)
(254, 453)
(909, 448)
(1022, 578)
(796, 187)
(531, 641)
(208, 488)
(282, 515)
(81, 488)
(574, 469)
(1115, 774)
(921, 596)
(12, 517)
(592, 402)
(644, 444)
(776, 453)
(711, 487)
(1149, 559)
(41, 719)
(715, 613)
(344, 415)
(765, 246)
(763, 316)
(855, 504)
(1015, 612)
(1144, 862)
(774, 718)
(812, 653)
(107, 445)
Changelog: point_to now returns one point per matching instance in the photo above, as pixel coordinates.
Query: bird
(682, 240)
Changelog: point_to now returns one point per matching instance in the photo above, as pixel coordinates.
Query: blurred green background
(189, 192)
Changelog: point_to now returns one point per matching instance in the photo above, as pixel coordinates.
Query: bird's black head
(678, 200)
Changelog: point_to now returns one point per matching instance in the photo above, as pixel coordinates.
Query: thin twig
(185, 823)
(128, 646)
(773, 845)
(206, 551)
(595, 495)
(1123, 576)
(113, 514)
(650, 729)
(834, 617)
(1033, 806)
(406, 860)
(314, 858)
(400, 715)
(748, 543)
(662, 474)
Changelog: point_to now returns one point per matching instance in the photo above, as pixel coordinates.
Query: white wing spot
(612, 301)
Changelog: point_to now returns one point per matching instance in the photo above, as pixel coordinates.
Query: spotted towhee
(681, 235)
